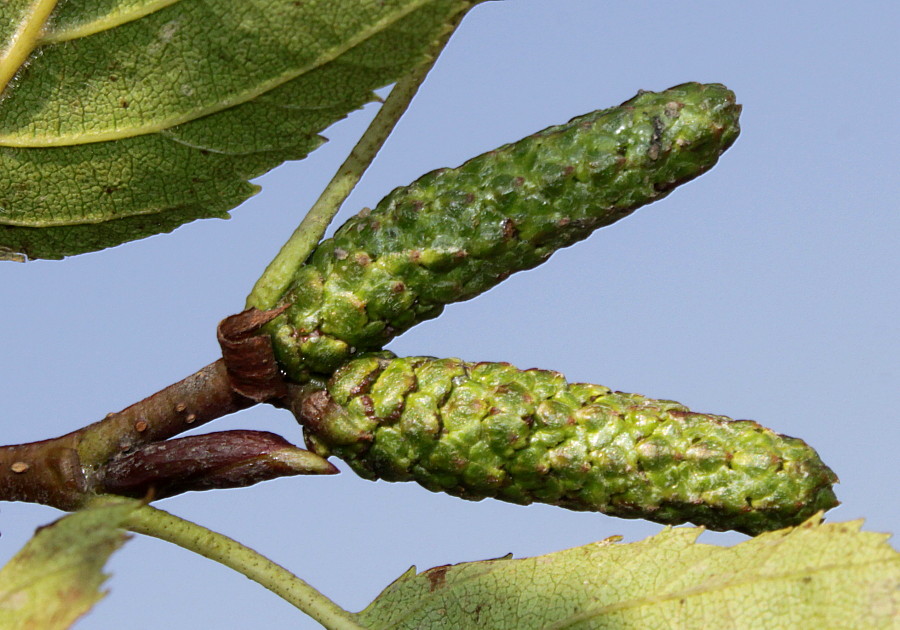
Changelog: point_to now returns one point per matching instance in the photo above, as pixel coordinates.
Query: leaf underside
(811, 576)
(131, 117)
(56, 577)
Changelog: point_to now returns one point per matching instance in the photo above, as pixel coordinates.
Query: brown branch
(47, 472)
(65, 472)
(189, 403)
(62, 472)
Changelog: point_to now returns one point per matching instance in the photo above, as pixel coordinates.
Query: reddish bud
(226, 459)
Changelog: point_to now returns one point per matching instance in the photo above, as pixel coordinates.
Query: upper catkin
(455, 233)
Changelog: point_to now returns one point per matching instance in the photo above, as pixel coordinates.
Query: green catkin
(479, 430)
(455, 233)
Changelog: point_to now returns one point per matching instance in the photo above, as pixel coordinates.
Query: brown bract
(249, 360)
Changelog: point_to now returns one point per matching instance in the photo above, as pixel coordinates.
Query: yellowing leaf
(125, 118)
(55, 578)
(811, 576)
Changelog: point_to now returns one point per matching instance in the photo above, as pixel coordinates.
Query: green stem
(277, 276)
(220, 548)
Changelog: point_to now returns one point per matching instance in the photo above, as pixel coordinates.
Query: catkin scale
(490, 430)
(455, 233)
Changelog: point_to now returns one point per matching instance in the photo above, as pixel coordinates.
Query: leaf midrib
(25, 40)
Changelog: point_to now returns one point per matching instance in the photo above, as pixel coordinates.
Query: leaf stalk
(253, 565)
(277, 276)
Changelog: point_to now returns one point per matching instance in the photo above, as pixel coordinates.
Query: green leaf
(55, 578)
(811, 576)
(130, 117)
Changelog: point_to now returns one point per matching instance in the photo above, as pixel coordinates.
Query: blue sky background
(767, 289)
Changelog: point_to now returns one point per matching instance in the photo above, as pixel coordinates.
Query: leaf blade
(254, 47)
(56, 577)
(831, 573)
(89, 137)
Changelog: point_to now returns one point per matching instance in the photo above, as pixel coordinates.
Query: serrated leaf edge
(38, 141)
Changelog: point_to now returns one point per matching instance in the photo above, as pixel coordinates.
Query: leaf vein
(107, 22)
(700, 591)
(327, 56)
